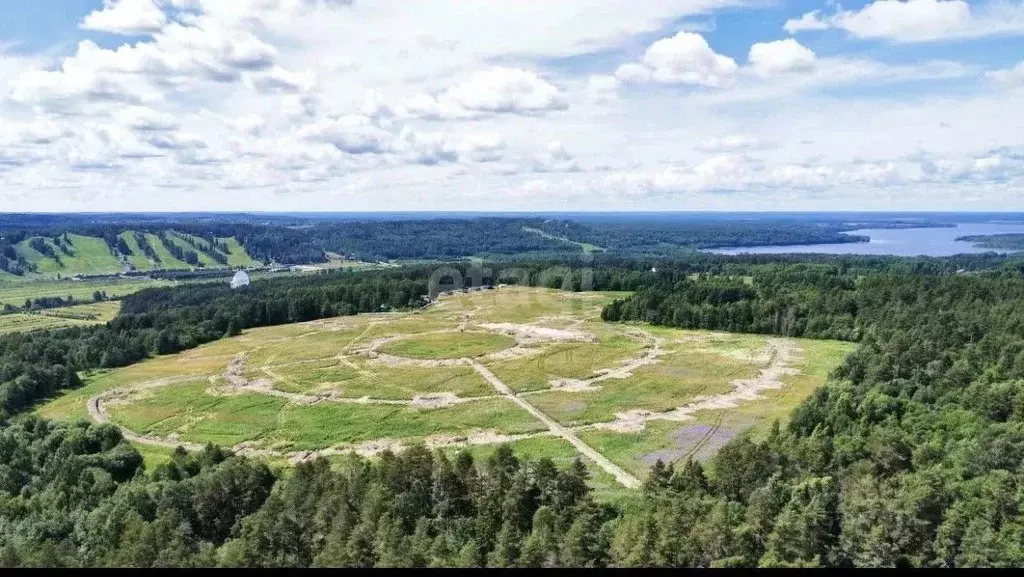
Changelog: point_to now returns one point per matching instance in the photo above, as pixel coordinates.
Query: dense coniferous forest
(911, 455)
(294, 240)
(664, 237)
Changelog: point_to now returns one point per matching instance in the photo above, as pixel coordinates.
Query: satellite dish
(240, 279)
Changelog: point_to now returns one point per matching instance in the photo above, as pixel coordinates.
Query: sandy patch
(780, 352)
(437, 400)
(572, 385)
(526, 333)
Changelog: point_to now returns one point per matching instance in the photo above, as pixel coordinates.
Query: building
(240, 279)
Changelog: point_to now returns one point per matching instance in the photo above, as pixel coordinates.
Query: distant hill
(44, 246)
(52, 254)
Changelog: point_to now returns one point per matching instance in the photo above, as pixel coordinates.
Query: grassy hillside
(137, 257)
(238, 257)
(167, 260)
(183, 241)
(91, 256)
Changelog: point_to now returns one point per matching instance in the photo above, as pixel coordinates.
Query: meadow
(532, 367)
(78, 315)
(16, 292)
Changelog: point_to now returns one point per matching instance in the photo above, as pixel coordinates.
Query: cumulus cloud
(768, 58)
(918, 20)
(497, 90)
(277, 79)
(809, 21)
(146, 119)
(126, 17)
(685, 58)
(438, 147)
(230, 105)
(353, 133)
(178, 57)
(556, 158)
(730, 173)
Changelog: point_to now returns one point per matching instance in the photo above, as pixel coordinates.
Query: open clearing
(46, 319)
(532, 367)
(15, 290)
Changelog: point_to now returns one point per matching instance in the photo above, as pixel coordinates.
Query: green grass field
(356, 380)
(448, 345)
(24, 323)
(324, 384)
(566, 361)
(78, 315)
(16, 293)
(191, 414)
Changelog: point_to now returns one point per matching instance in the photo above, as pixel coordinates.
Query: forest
(1008, 241)
(911, 455)
(295, 240)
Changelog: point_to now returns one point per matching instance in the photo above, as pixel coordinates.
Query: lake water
(900, 242)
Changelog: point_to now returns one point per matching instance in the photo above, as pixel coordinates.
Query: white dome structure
(240, 279)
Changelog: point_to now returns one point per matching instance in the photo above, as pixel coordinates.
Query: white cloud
(497, 90)
(730, 143)
(556, 158)
(919, 20)
(409, 104)
(685, 58)
(768, 58)
(354, 134)
(1009, 76)
(126, 17)
(277, 79)
(809, 21)
(147, 119)
(603, 89)
(437, 147)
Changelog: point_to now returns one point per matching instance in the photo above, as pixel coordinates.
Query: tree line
(299, 240)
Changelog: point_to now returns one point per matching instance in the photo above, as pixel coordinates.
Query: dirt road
(620, 474)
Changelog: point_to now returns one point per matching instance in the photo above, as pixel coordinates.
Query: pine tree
(541, 545)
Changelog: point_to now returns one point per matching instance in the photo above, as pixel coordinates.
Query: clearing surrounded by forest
(536, 368)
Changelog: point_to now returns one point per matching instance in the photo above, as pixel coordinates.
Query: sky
(511, 105)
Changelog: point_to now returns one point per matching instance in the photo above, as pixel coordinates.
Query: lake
(900, 242)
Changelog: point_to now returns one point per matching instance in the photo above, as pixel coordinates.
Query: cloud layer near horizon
(513, 105)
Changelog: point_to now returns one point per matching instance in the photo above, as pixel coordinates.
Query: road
(620, 474)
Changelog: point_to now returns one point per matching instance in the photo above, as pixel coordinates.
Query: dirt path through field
(619, 473)
(98, 412)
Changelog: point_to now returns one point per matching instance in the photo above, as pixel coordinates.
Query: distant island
(1009, 241)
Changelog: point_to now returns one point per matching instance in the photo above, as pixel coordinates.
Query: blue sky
(511, 105)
